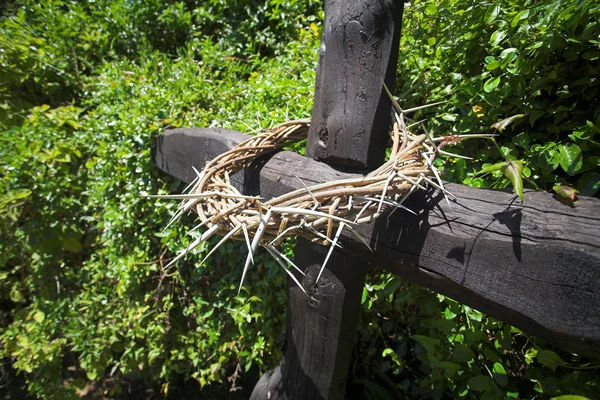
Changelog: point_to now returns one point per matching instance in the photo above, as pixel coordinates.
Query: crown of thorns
(320, 212)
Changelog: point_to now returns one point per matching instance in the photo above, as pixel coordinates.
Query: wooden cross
(534, 265)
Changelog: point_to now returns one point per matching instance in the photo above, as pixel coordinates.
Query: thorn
(259, 232)
(271, 251)
(335, 239)
(229, 234)
(194, 244)
(309, 192)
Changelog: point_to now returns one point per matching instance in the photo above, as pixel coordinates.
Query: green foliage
(493, 60)
(86, 88)
(437, 348)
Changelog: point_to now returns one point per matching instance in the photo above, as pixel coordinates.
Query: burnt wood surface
(359, 51)
(534, 265)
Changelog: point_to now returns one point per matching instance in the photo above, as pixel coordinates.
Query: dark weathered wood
(320, 328)
(359, 51)
(534, 265)
(359, 48)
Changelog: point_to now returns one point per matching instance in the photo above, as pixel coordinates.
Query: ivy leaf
(497, 37)
(549, 359)
(520, 16)
(491, 14)
(514, 172)
(491, 84)
(499, 374)
(570, 158)
(501, 125)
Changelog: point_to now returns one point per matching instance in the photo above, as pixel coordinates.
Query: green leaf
(570, 397)
(427, 342)
(520, 16)
(481, 383)
(497, 37)
(491, 13)
(493, 65)
(491, 84)
(566, 192)
(549, 359)
(499, 374)
(501, 125)
(488, 168)
(514, 172)
(570, 158)
(365, 295)
(39, 317)
(21, 194)
(462, 353)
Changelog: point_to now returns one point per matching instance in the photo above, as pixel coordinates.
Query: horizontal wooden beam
(534, 265)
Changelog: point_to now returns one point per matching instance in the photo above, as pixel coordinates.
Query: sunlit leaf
(499, 374)
(514, 172)
(491, 168)
(501, 125)
(491, 13)
(570, 158)
(491, 84)
(549, 359)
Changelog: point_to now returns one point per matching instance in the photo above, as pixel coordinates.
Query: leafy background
(86, 308)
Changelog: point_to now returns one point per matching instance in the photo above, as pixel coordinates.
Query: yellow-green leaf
(514, 172)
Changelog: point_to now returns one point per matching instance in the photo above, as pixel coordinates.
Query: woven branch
(312, 212)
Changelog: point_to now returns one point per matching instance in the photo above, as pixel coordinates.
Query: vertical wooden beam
(349, 129)
(359, 51)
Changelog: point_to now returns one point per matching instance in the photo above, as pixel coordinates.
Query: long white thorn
(387, 182)
(283, 233)
(283, 256)
(440, 188)
(412, 189)
(335, 239)
(324, 237)
(259, 232)
(225, 238)
(192, 183)
(424, 106)
(466, 136)
(194, 244)
(309, 192)
(359, 238)
(362, 210)
(200, 225)
(300, 211)
(271, 251)
(392, 203)
(454, 155)
(394, 102)
(245, 230)
(174, 218)
(410, 180)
